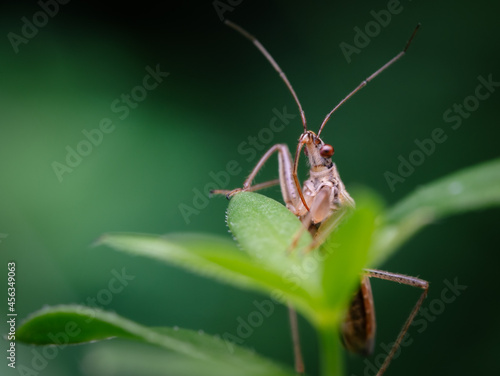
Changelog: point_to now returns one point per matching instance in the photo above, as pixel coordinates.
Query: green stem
(331, 353)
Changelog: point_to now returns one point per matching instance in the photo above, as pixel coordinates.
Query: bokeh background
(219, 92)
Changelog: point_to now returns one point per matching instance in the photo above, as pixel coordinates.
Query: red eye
(326, 151)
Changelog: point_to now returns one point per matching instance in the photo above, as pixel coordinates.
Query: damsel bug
(320, 204)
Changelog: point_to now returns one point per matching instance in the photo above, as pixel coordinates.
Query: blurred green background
(220, 91)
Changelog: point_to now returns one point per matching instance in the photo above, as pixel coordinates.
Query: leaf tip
(99, 241)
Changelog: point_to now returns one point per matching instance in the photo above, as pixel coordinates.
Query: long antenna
(365, 82)
(275, 65)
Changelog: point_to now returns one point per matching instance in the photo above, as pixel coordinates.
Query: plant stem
(330, 356)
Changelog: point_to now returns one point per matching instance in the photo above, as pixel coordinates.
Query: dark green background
(221, 91)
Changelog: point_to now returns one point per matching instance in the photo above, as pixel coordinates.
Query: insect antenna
(275, 65)
(375, 74)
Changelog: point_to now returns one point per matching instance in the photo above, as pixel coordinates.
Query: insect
(320, 204)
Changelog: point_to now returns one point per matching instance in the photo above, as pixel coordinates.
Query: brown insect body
(358, 328)
(324, 192)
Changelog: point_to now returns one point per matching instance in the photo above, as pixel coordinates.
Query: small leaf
(345, 256)
(473, 188)
(62, 325)
(210, 256)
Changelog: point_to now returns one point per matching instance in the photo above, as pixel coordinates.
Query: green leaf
(345, 256)
(473, 188)
(265, 228)
(210, 256)
(62, 325)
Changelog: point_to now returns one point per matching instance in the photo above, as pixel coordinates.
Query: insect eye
(326, 151)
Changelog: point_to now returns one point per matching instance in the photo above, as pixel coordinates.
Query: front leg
(231, 192)
(292, 194)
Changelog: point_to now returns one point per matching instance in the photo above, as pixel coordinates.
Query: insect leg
(297, 352)
(407, 280)
(253, 188)
(289, 189)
